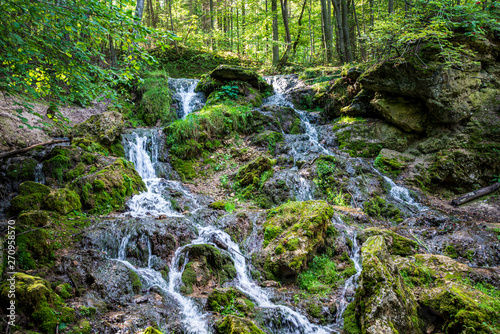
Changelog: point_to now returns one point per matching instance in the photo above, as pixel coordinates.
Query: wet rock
(396, 244)
(108, 189)
(229, 298)
(383, 304)
(292, 234)
(360, 105)
(236, 325)
(286, 117)
(408, 115)
(31, 196)
(251, 173)
(63, 201)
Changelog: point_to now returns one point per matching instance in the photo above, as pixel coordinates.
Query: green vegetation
(156, 100)
(321, 276)
(378, 207)
(329, 181)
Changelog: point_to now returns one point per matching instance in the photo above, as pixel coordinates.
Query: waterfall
(185, 96)
(39, 175)
(143, 152)
(351, 284)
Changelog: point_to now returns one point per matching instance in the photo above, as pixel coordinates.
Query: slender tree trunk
(276, 50)
(243, 23)
(361, 48)
(327, 31)
(372, 18)
(310, 33)
(299, 23)
(341, 49)
(288, 37)
(139, 9)
(390, 6)
(172, 23)
(345, 24)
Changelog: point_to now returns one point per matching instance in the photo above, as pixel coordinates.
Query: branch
(23, 150)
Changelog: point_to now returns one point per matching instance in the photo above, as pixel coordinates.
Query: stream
(142, 148)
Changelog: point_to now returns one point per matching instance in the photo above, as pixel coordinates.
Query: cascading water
(187, 99)
(350, 285)
(143, 152)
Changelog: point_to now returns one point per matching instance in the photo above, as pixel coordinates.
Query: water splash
(184, 94)
(39, 175)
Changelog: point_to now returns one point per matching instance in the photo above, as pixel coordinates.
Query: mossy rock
(103, 128)
(108, 189)
(383, 300)
(236, 325)
(378, 207)
(410, 115)
(23, 170)
(31, 197)
(36, 218)
(396, 244)
(302, 224)
(206, 263)
(392, 162)
(225, 74)
(226, 299)
(63, 201)
(217, 205)
(151, 330)
(268, 139)
(35, 249)
(251, 173)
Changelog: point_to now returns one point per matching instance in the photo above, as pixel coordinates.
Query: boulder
(224, 74)
(229, 298)
(407, 114)
(292, 234)
(384, 303)
(63, 201)
(286, 117)
(232, 324)
(31, 197)
(251, 173)
(103, 128)
(107, 189)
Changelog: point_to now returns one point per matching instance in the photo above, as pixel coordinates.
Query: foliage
(59, 52)
(320, 276)
(226, 92)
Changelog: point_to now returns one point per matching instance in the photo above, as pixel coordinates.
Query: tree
(276, 50)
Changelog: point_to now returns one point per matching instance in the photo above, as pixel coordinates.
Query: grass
(321, 276)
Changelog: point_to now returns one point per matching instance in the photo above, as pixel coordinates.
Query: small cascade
(187, 99)
(304, 189)
(143, 152)
(194, 321)
(403, 196)
(39, 175)
(351, 284)
(292, 322)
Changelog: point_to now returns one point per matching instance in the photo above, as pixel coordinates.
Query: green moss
(35, 249)
(76, 172)
(63, 201)
(151, 330)
(251, 173)
(22, 171)
(295, 129)
(269, 139)
(83, 327)
(31, 197)
(235, 325)
(136, 281)
(230, 301)
(450, 251)
(188, 279)
(351, 321)
(185, 168)
(156, 99)
(378, 207)
(64, 290)
(321, 276)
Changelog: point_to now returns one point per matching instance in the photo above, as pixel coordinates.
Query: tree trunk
(340, 29)
(390, 6)
(23, 150)
(475, 194)
(345, 25)
(363, 56)
(299, 23)
(276, 50)
(288, 37)
(172, 23)
(212, 44)
(327, 31)
(139, 9)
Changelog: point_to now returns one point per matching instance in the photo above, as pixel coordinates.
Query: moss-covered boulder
(378, 207)
(383, 303)
(396, 244)
(36, 218)
(232, 324)
(103, 128)
(31, 197)
(156, 99)
(107, 189)
(251, 173)
(286, 117)
(225, 74)
(63, 201)
(392, 162)
(36, 301)
(407, 114)
(230, 300)
(207, 268)
(292, 234)
(268, 139)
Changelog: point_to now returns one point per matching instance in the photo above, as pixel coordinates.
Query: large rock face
(408, 115)
(449, 94)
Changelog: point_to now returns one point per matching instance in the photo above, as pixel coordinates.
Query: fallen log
(475, 194)
(23, 150)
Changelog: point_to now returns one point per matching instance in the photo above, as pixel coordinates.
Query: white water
(194, 321)
(351, 284)
(184, 94)
(150, 202)
(39, 175)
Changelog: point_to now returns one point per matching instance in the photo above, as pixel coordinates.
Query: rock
(104, 128)
(391, 161)
(286, 118)
(235, 325)
(447, 93)
(151, 330)
(108, 189)
(156, 99)
(270, 284)
(63, 201)
(292, 234)
(224, 74)
(407, 114)
(383, 303)
(229, 298)
(360, 105)
(207, 268)
(367, 139)
(31, 197)
(251, 173)
(396, 244)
